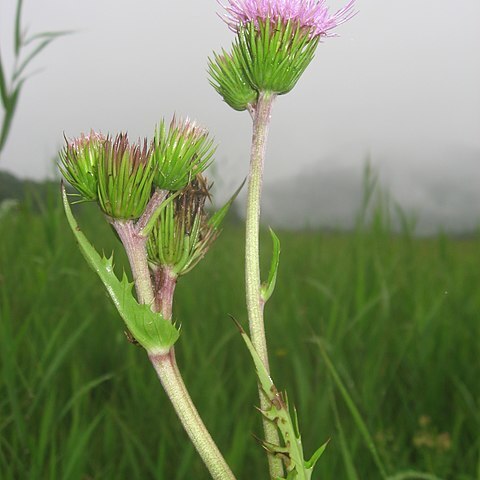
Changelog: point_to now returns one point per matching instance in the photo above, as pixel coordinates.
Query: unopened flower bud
(125, 178)
(229, 79)
(183, 233)
(79, 163)
(180, 153)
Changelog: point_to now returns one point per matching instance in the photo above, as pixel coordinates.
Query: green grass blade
(79, 449)
(413, 475)
(9, 112)
(46, 35)
(81, 392)
(18, 28)
(360, 423)
(56, 362)
(347, 457)
(30, 57)
(9, 371)
(3, 86)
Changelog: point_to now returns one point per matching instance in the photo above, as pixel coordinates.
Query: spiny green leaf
(310, 464)
(150, 329)
(279, 413)
(268, 287)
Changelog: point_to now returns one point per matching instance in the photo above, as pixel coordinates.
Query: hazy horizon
(399, 85)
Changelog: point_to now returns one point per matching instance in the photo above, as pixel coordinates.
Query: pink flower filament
(310, 14)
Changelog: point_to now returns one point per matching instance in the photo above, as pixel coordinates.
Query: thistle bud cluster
(128, 179)
(181, 152)
(275, 42)
(121, 175)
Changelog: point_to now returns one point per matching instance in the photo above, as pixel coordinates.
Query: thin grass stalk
(357, 417)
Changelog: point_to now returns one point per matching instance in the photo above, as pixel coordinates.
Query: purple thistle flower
(310, 14)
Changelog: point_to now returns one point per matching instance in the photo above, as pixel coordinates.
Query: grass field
(377, 340)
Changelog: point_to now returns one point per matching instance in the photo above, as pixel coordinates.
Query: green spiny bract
(278, 412)
(180, 153)
(230, 81)
(79, 163)
(125, 178)
(183, 233)
(273, 56)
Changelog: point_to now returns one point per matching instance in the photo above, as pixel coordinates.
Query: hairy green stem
(165, 283)
(152, 211)
(169, 375)
(134, 241)
(255, 303)
(135, 246)
(171, 379)
(165, 365)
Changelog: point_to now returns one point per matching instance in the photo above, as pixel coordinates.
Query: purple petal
(310, 14)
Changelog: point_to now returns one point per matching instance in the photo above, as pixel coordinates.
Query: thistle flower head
(79, 162)
(183, 233)
(228, 77)
(311, 15)
(125, 177)
(180, 153)
(275, 42)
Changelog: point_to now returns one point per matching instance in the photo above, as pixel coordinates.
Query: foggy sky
(400, 84)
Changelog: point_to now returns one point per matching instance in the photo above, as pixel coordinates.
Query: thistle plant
(154, 193)
(275, 41)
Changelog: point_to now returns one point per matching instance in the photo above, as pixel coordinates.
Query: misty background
(399, 86)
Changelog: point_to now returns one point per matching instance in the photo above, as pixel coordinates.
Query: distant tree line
(15, 188)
